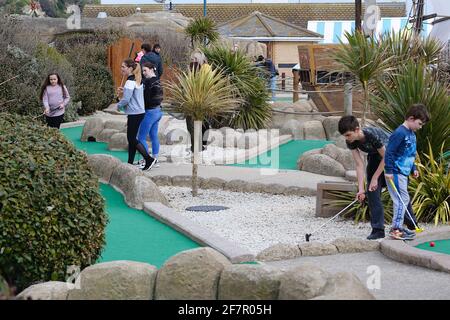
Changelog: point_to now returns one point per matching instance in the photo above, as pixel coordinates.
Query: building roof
(261, 26)
(295, 13)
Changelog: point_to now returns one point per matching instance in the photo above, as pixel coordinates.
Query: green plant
(71, 112)
(202, 94)
(74, 43)
(365, 59)
(27, 73)
(202, 31)
(405, 46)
(255, 112)
(52, 214)
(413, 83)
(360, 212)
(431, 199)
(95, 87)
(94, 82)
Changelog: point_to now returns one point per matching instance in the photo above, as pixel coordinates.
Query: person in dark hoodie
(152, 56)
(153, 95)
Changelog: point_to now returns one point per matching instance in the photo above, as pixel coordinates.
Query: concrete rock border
(405, 251)
(233, 185)
(340, 245)
(200, 274)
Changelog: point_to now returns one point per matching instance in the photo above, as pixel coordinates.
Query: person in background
(153, 95)
(139, 56)
(132, 102)
(152, 56)
(55, 98)
(198, 60)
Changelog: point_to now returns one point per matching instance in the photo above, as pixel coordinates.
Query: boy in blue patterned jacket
(399, 164)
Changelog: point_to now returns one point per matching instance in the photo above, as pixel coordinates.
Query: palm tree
(202, 31)
(365, 59)
(202, 94)
(405, 46)
(414, 83)
(255, 112)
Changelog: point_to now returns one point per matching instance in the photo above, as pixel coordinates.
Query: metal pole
(283, 81)
(358, 13)
(204, 8)
(348, 99)
(296, 81)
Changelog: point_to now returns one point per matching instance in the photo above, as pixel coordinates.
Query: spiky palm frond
(202, 31)
(255, 112)
(365, 59)
(431, 200)
(202, 94)
(414, 84)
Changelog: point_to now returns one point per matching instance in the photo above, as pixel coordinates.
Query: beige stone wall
(286, 52)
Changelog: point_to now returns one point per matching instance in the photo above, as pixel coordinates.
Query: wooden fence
(118, 52)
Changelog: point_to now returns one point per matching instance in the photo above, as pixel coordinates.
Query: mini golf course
(441, 246)
(131, 234)
(284, 156)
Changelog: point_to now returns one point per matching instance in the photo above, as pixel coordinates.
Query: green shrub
(413, 83)
(75, 42)
(360, 212)
(202, 31)
(255, 112)
(51, 212)
(71, 113)
(431, 200)
(95, 88)
(23, 91)
(88, 51)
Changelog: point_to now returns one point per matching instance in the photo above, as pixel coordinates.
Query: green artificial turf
(284, 156)
(132, 234)
(441, 246)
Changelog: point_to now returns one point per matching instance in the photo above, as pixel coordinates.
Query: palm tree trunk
(358, 14)
(366, 105)
(196, 158)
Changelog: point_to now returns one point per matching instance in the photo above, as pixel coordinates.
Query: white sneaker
(140, 164)
(156, 165)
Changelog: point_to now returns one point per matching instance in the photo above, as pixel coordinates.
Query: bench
(324, 197)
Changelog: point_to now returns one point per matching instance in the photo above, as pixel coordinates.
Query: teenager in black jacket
(153, 95)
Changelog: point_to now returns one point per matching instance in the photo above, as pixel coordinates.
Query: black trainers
(149, 164)
(376, 234)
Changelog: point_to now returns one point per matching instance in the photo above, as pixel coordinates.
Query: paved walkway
(415, 282)
(266, 176)
(286, 178)
(398, 281)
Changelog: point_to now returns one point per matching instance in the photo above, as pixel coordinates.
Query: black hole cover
(206, 208)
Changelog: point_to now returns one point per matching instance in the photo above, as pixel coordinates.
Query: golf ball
(431, 244)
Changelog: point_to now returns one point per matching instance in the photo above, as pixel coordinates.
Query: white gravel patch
(257, 221)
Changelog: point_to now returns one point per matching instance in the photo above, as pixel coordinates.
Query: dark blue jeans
(374, 197)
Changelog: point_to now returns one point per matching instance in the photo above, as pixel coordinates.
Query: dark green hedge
(51, 212)
(95, 88)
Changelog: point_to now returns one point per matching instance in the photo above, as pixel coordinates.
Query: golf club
(418, 230)
(308, 235)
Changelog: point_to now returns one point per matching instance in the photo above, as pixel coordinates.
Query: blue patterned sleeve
(395, 140)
